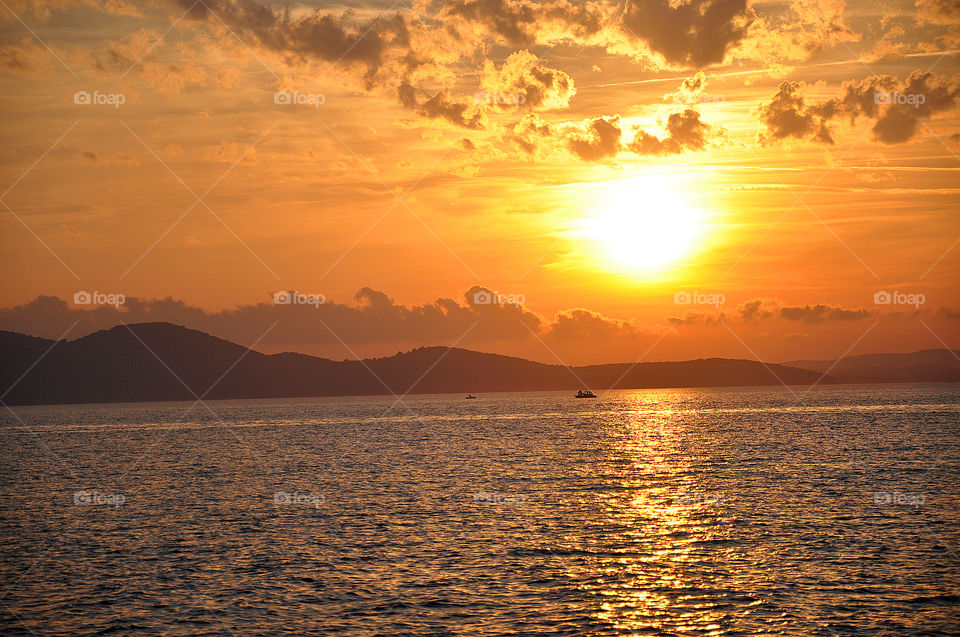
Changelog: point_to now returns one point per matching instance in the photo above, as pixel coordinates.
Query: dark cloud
(579, 324)
(787, 115)
(896, 107)
(694, 34)
(316, 35)
(759, 309)
(953, 315)
(600, 139)
(523, 23)
(697, 318)
(531, 132)
(685, 131)
(373, 318)
(938, 12)
(458, 113)
(820, 312)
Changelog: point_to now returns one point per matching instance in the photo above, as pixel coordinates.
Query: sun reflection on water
(655, 528)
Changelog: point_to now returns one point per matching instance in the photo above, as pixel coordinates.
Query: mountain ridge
(163, 361)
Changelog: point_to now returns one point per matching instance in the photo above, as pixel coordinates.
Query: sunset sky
(780, 165)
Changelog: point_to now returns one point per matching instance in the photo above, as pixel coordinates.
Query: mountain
(161, 361)
(929, 365)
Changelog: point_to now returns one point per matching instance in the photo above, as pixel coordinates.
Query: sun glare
(644, 225)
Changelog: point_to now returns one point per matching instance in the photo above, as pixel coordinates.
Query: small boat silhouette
(470, 397)
(585, 394)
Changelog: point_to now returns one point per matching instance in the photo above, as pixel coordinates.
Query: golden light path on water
(632, 604)
(700, 511)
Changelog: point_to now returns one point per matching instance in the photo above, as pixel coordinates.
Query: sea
(740, 511)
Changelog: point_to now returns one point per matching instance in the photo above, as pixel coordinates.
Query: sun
(644, 224)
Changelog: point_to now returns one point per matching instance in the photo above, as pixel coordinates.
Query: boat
(471, 397)
(585, 394)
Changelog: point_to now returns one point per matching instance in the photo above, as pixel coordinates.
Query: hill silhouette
(929, 365)
(162, 361)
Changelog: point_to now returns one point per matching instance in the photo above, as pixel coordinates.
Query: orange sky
(594, 164)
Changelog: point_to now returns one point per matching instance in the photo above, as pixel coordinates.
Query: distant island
(148, 362)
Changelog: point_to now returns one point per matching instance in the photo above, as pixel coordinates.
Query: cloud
(25, 57)
(697, 318)
(137, 54)
(457, 113)
(693, 33)
(523, 81)
(372, 318)
(690, 91)
(597, 139)
(313, 35)
(757, 309)
(373, 322)
(953, 315)
(821, 312)
(795, 35)
(533, 133)
(591, 140)
(524, 23)
(601, 138)
(787, 115)
(764, 308)
(580, 324)
(685, 131)
(938, 12)
(896, 107)
(44, 9)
